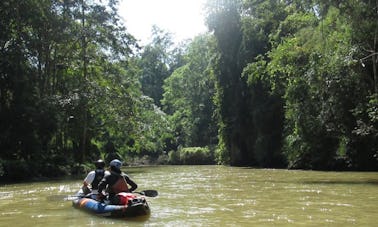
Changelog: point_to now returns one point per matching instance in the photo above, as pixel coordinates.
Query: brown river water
(210, 196)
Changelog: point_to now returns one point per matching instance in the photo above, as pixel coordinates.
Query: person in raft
(93, 179)
(115, 183)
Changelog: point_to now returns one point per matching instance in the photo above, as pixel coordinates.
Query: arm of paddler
(132, 184)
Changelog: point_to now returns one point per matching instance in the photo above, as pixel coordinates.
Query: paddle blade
(149, 193)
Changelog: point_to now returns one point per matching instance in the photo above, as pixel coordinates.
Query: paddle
(148, 193)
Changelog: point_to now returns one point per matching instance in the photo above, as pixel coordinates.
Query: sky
(183, 18)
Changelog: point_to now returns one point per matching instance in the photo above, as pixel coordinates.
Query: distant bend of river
(210, 196)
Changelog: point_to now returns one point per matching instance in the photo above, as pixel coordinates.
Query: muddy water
(210, 196)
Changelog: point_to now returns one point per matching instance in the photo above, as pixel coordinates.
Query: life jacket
(99, 174)
(120, 185)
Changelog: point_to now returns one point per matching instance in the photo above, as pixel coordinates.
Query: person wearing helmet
(93, 178)
(115, 183)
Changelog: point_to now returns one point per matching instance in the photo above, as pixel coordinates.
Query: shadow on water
(79, 177)
(138, 169)
(364, 181)
(331, 182)
(325, 182)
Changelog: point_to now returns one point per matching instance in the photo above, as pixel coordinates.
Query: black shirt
(111, 179)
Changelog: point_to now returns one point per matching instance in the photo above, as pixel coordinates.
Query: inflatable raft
(134, 205)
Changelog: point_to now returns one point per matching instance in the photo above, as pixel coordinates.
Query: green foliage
(157, 62)
(266, 115)
(302, 64)
(62, 83)
(224, 21)
(260, 19)
(191, 156)
(275, 84)
(306, 132)
(188, 95)
(293, 23)
(246, 109)
(222, 155)
(316, 71)
(174, 157)
(154, 134)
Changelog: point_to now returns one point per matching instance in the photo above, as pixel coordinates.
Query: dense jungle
(272, 84)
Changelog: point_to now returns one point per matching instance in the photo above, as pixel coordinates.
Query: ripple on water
(213, 196)
(6, 195)
(10, 213)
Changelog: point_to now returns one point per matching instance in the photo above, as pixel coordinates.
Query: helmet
(116, 163)
(100, 164)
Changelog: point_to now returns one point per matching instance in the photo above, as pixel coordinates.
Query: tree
(155, 64)
(242, 32)
(317, 74)
(224, 20)
(188, 95)
(57, 56)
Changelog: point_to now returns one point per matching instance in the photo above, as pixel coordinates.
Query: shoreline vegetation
(186, 156)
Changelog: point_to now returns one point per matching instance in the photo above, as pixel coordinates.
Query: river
(210, 196)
